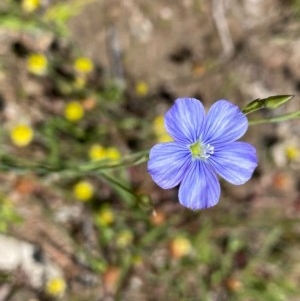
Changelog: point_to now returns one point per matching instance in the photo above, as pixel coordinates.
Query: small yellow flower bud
(56, 287)
(105, 216)
(74, 111)
(83, 191)
(97, 152)
(292, 153)
(158, 125)
(30, 5)
(37, 64)
(21, 135)
(141, 88)
(113, 153)
(83, 65)
(160, 131)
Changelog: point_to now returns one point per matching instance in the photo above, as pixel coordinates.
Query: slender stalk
(94, 167)
(280, 118)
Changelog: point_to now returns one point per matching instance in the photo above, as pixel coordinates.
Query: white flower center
(201, 151)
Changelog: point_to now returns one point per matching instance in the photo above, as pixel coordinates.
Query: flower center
(200, 150)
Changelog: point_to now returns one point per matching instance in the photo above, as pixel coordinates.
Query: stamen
(200, 150)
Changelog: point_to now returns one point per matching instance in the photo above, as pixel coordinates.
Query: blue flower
(204, 146)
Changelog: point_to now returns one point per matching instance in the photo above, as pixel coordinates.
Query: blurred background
(84, 85)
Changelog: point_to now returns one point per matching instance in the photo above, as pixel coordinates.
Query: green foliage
(52, 19)
(61, 12)
(8, 215)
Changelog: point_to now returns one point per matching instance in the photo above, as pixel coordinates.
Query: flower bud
(274, 102)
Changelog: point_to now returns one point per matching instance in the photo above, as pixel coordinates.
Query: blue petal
(235, 162)
(168, 163)
(185, 119)
(200, 188)
(225, 123)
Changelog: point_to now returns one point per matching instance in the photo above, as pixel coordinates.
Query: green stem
(127, 161)
(87, 168)
(118, 184)
(280, 118)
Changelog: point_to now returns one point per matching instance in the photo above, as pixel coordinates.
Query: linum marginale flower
(204, 146)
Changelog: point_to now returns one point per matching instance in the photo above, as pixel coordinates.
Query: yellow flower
(113, 153)
(83, 65)
(141, 88)
(37, 64)
(292, 153)
(56, 287)
(83, 191)
(158, 125)
(105, 216)
(30, 5)
(97, 152)
(74, 111)
(179, 247)
(165, 137)
(160, 131)
(21, 135)
(124, 239)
